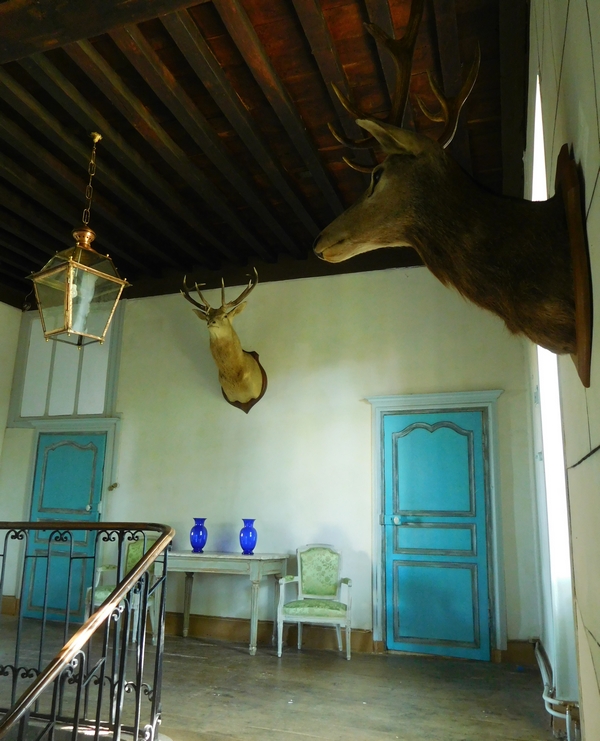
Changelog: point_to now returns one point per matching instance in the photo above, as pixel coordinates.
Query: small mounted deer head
(243, 379)
(510, 256)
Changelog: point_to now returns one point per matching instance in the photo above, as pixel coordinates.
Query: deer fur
(241, 376)
(507, 255)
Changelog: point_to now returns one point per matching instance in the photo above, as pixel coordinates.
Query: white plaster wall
(300, 462)
(565, 48)
(10, 322)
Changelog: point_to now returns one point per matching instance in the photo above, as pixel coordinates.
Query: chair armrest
(101, 569)
(348, 583)
(287, 579)
(282, 582)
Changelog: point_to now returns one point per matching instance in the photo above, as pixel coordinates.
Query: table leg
(254, 616)
(277, 590)
(187, 601)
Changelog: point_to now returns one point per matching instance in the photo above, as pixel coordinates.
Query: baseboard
(517, 652)
(237, 630)
(10, 605)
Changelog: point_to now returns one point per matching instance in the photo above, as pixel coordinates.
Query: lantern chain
(89, 191)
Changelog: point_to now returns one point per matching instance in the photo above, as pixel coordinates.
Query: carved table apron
(255, 567)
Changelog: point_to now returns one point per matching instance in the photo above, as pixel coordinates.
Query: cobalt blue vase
(248, 537)
(198, 535)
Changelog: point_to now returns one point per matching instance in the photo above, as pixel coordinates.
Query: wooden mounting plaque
(568, 182)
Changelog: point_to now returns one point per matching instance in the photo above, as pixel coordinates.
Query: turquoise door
(434, 520)
(67, 486)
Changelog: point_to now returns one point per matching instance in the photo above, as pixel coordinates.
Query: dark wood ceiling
(216, 153)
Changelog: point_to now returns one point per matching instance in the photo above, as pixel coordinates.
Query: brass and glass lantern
(77, 291)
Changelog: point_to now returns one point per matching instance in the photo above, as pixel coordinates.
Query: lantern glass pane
(51, 297)
(93, 300)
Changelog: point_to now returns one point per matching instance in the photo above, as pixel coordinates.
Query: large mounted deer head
(511, 256)
(243, 379)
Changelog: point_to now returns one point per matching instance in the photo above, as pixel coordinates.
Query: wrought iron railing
(76, 654)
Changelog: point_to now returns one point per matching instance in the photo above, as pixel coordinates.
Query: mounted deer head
(510, 256)
(242, 378)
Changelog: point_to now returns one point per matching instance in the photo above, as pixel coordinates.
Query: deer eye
(376, 177)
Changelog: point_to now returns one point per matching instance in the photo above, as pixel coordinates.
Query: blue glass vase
(248, 537)
(198, 535)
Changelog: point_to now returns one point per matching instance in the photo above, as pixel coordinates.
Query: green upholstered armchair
(319, 588)
(135, 550)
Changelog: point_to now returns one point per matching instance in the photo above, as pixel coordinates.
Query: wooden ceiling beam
(449, 53)
(242, 32)
(317, 32)
(30, 26)
(28, 107)
(110, 83)
(186, 34)
(52, 203)
(28, 234)
(67, 95)
(42, 219)
(160, 79)
(63, 176)
(25, 266)
(17, 246)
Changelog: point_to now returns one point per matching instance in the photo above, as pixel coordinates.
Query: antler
(451, 107)
(237, 301)
(204, 307)
(402, 51)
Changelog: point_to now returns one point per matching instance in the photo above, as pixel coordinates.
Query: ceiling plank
(30, 26)
(28, 107)
(10, 223)
(63, 176)
(317, 32)
(50, 200)
(242, 32)
(65, 93)
(18, 247)
(449, 52)
(111, 84)
(157, 75)
(25, 267)
(199, 56)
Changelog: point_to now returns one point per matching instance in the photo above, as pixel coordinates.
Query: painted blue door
(67, 486)
(437, 598)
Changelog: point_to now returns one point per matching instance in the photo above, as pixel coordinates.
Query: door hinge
(539, 456)
(536, 395)
(100, 507)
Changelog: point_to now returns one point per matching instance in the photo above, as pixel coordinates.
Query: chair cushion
(315, 607)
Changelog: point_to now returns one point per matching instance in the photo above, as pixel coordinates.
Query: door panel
(435, 533)
(67, 486)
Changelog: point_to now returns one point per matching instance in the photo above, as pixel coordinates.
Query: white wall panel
(63, 384)
(37, 373)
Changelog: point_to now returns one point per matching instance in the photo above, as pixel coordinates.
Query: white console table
(255, 567)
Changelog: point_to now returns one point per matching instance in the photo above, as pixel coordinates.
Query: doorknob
(88, 507)
(397, 520)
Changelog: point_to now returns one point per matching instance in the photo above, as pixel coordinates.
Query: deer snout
(316, 247)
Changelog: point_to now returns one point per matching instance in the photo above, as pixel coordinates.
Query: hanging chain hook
(89, 191)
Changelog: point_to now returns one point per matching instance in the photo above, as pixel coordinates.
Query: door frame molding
(110, 425)
(439, 402)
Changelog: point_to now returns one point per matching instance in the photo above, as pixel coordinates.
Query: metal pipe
(548, 696)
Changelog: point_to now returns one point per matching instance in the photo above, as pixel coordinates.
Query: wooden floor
(217, 692)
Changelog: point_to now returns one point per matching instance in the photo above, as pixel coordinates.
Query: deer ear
(202, 316)
(393, 139)
(237, 310)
